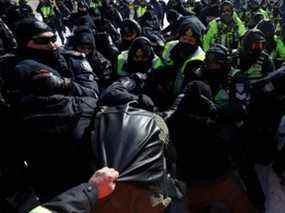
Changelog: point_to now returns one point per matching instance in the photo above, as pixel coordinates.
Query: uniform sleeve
(80, 199)
(241, 26)
(84, 80)
(208, 38)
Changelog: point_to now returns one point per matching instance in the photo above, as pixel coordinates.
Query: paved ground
(274, 191)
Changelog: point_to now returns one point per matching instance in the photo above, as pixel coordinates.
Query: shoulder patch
(86, 66)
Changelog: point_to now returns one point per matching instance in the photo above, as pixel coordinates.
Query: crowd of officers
(214, 74)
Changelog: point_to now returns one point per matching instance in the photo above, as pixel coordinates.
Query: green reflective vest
(218, 32)
(47, 11)
(198, 55)
(279, 52)
(122, 60)
(140, 11)
(95, 4)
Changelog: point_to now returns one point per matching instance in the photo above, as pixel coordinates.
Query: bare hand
(104, 181)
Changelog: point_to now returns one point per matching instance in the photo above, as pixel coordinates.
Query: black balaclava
(192, 28)
(251, 37)
(141, 46)
(83, 37)
(197, 100)
(217, 66)
(26, 29)
(129, 27)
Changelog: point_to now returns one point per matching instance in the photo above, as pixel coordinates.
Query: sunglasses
(45, 40)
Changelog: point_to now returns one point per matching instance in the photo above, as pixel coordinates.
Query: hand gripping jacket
(132, 141)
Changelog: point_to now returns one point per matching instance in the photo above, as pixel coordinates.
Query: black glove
(46, 83)
(146, 103)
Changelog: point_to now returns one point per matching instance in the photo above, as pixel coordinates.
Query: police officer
(140, 58)
(25, 9)
(83, 41)
(251, 58)
(274, 44)
(216, 73)
(253, 63)
(253, 7)
(52, 108)
(82, 11)
(204, 169)
(186, 53)
(36, 41)
(225, 30)
(130, 30)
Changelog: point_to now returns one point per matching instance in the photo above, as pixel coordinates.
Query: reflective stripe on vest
(279, 52)
(47, 11)
(198, 55)
(255, 71)
(166, 52)
(122, 58)
(140, 11)
(40, 209)
(95, 4)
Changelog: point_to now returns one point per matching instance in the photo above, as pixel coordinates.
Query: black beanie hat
(27, 28)
(83, 36)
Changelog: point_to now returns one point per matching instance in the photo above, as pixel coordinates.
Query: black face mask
(135, 66)
(48, 57)
(125, 44)
(226, 18)
(181, 51)
(255, 53)
(215, 78)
